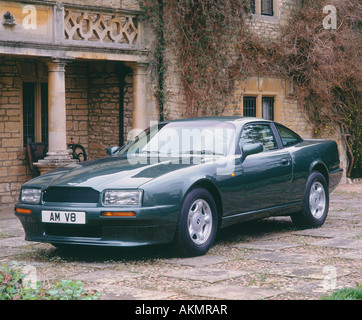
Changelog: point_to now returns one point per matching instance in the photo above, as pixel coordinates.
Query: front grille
(71, 194)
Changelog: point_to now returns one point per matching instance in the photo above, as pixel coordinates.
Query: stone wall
(288, 112)
(92, 88)
(14, 170)
(269, 26)
(128, 106)
(93, 105)
(265, 26)
(76, 87)
(92, 110)
(104, 106)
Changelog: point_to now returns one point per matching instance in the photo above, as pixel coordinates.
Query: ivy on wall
(154, 14)
(206, 36)
(215, 47)
(326, 66)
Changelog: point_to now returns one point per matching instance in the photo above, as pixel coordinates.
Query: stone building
(80, 70)
(266, 96)
(73, 69)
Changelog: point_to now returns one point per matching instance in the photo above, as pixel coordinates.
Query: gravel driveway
(268, 259)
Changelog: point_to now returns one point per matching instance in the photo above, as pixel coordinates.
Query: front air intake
(71, 194)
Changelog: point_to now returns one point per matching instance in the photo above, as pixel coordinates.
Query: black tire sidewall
(310, 219)
(183, 240)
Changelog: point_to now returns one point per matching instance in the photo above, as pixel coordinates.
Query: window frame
(259, 103)
(272, 105)
(256, 104)
(280, 138)
(256, 9)
(271, 7)
(273, 129)
(252, 6)
(28, 111)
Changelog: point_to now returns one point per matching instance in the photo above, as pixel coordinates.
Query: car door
(267, 174)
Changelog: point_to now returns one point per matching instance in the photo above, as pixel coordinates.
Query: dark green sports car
(180, 181)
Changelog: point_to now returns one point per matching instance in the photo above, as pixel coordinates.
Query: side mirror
(112, 150)
(252, 148)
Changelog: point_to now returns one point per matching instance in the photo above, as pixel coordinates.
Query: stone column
(139, 120)
(57, 106)
(58, 155)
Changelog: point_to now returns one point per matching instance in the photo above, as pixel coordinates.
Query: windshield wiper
(150, 152)
(202, 152)
(178, 152)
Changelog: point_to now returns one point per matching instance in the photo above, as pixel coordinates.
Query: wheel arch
(214, 191)
(320, 167)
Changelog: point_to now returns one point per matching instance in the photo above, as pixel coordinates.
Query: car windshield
(178, 138)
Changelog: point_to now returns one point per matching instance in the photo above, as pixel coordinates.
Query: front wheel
(315, 203)
(197, 224)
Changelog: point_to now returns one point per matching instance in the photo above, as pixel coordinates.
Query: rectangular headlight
(31, 196)
(122, 197)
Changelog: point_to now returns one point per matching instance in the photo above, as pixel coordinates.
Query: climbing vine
(215, 47)
(153, 14)
(204, 34)
(206, 37)
(326, 67)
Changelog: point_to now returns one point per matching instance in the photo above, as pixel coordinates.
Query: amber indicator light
(118, 214)
(20, 210)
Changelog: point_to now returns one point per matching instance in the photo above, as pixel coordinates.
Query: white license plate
(63, 217)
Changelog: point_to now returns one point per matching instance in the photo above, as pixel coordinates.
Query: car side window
(288, 137)
(258, 133)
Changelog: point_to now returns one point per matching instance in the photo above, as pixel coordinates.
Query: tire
(315, 203)
(198, 222)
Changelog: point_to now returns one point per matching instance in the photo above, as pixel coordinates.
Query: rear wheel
(197, 224)
(315, 203)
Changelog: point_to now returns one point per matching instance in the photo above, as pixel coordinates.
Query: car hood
(106, 173)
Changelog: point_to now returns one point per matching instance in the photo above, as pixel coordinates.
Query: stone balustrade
(62, 25)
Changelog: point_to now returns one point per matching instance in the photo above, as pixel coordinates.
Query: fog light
(118, 214)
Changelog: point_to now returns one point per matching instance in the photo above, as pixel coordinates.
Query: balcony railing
(84, 26)
(62, 24)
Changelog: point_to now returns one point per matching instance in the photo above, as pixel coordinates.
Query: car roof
(234, 119)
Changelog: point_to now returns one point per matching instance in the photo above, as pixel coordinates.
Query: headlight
(31, 196)
(122, 197)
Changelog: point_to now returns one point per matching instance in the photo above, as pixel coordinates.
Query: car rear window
(288, 137)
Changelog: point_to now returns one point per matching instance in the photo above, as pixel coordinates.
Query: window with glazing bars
(268, 108)
(33, 114)
(28, 111)
(252, 6)
(249, 108)
(267, 7)
(44, 112)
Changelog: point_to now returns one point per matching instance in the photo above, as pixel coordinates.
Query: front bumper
(152, 225)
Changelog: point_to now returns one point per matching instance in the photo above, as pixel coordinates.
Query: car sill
(282, 210)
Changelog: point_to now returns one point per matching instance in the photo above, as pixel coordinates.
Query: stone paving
(268, 259)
